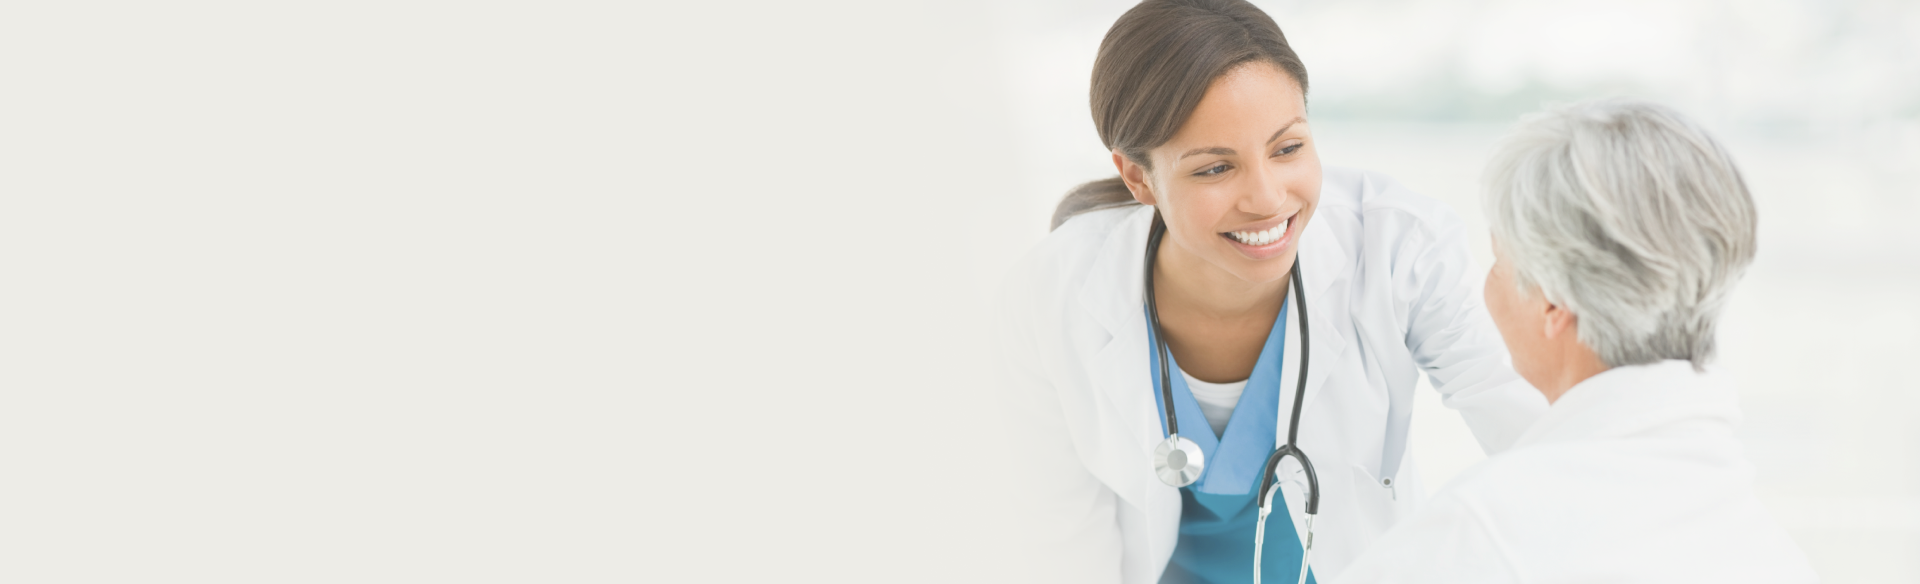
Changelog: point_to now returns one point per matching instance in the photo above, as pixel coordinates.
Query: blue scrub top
(1217, 513)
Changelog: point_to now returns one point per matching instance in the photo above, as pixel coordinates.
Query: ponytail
(1093, 196)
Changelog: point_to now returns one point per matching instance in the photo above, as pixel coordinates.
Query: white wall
(512, 292)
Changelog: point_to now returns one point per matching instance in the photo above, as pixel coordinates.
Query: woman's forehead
(1244, 106)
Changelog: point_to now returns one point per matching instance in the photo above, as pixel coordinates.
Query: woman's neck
(1215, 323)
(1191, 285)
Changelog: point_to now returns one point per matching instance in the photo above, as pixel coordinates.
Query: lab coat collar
(1638, 401)
(1121, 371)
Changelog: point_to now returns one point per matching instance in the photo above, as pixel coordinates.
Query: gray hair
(1628, 215)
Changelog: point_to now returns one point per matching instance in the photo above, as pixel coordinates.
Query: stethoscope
(1179, 462)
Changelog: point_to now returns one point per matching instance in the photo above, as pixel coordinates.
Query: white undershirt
(1216, 400)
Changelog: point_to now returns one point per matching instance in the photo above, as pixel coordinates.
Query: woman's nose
(1266, 194)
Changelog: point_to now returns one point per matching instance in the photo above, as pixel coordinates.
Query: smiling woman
(1222, 212)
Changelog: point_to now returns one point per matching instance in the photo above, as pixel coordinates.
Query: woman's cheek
(1310, 185)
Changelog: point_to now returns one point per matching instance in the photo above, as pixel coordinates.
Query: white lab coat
(1634, 475)
(1390, 293)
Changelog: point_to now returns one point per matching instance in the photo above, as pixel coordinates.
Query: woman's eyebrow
(1229, 151)
(1283, 129)
(1214, 150)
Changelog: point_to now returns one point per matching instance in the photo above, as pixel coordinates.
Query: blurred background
(1819, 102)
(416, 290)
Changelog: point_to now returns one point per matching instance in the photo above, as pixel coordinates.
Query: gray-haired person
(1619, 229)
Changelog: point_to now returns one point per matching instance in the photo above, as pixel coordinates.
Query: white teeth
(1259, 238)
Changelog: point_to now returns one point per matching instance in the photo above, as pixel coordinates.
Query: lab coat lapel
(1323, 262)
(1113, 294)
(1124, 416)
(1125, 392)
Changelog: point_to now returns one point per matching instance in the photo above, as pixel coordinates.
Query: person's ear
(1559, 321)
(1135, 176)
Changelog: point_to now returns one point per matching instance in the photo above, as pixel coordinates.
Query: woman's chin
(1265, 271)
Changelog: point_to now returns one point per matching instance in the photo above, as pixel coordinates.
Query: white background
(596, 292)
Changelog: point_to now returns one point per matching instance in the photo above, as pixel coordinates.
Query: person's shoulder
(1517, 466)
(1087, 231)
(1372, 190)
(1058, 266)
(1385, 220)
(1517, 483)
(1512, 490)
(1568, 507)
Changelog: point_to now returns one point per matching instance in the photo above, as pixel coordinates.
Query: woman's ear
(1135, 176)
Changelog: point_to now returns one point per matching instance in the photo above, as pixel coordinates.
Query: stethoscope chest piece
(1178, 461)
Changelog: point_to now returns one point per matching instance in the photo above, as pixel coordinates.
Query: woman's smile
(1263, 240)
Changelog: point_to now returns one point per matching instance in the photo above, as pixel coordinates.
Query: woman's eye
(1213, 170)
(1288, 150)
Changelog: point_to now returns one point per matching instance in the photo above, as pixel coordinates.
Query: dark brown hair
(1154, 66)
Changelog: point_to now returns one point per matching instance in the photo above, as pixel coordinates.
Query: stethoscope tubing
(1292, 447)
(1153, 316)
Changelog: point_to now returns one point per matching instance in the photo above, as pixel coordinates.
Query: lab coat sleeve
(1446, 542)
(1066, 527)
(1451, 336)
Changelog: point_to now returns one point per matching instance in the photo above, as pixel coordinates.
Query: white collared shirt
(1634, 475)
